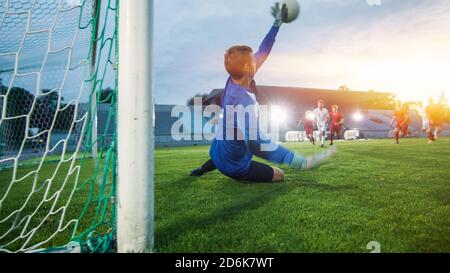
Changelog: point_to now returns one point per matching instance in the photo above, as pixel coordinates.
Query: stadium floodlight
(278, 115)
(357, 117)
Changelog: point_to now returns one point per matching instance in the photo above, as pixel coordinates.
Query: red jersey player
(337, 119)
(308, 125)
(401, 119)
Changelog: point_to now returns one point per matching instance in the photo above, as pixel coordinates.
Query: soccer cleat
(315, 160)
(322, 146)
(197, 172)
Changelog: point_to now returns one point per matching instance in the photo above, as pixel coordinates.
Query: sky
(400, 46)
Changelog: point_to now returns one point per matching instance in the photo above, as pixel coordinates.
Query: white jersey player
(321, 117)
(422, 110)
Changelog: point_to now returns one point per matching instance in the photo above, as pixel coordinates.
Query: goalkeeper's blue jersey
(233, 156)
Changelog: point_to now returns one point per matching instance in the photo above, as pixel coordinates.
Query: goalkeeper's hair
(236, 60)
(238, 49)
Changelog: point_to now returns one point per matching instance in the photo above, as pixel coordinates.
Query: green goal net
(58, 125)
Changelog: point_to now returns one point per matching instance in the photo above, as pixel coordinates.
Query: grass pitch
(397, 195)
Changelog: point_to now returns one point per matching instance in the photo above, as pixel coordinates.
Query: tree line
(43, 111)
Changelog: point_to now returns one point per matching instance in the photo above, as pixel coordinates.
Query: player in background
(238, 137)
(337, 120)
(438, 119)
(322, 118)
(429, 111)
(401, 119)
(308, 126)
(422, 111)
(436, 116)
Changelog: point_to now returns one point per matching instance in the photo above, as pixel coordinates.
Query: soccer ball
(291, 11)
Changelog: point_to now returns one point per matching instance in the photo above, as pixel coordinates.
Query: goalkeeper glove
(279, 13)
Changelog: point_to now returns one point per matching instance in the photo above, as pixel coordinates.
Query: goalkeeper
(239, 138)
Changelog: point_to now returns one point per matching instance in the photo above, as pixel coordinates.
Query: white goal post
(135, 127)
(76, 126)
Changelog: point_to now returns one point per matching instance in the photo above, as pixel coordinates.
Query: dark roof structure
(299, 97)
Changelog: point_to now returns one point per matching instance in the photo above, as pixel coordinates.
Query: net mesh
(57, 125)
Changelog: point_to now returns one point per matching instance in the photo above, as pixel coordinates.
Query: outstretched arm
(266, 46)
